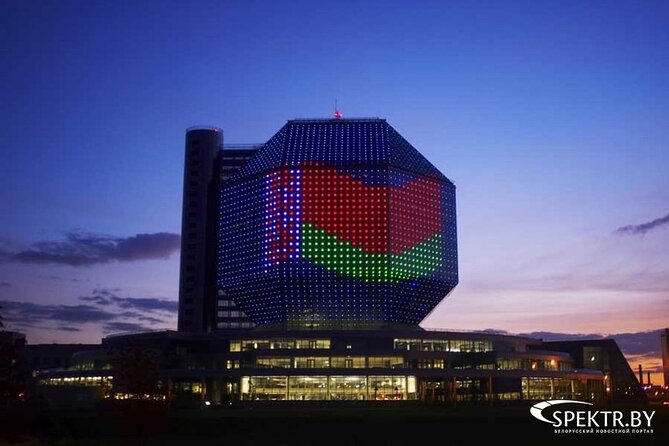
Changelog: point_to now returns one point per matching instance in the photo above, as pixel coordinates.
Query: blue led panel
(338, 223)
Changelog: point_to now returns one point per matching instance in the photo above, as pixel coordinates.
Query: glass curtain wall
(278, 388)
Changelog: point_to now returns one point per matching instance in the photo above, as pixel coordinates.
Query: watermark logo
(587, 420)
(537, 409)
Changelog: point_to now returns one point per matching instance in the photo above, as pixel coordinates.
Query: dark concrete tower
(199, 225)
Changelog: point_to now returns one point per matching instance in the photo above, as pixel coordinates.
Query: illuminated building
(338, 223)
(334, 240)
(353, 365)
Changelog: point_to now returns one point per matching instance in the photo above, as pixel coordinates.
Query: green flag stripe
(338, 255)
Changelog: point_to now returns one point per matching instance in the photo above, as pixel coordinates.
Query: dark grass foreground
(141, 423)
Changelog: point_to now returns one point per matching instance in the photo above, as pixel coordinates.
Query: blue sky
(550, 117)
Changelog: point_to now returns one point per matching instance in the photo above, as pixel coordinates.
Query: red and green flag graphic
(377, 233)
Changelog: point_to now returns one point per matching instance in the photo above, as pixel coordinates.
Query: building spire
(337, 113)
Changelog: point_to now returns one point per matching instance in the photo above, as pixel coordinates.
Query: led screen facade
(338, 223)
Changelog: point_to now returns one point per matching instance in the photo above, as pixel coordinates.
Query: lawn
(407, 425)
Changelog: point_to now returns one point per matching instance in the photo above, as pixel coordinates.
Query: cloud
(551, 336)
(63, 279)
(579, 264)
(141, 317)
(36, 315)
(71, 329)
(642, 343)
(80, 313)
(104, 307)
(644, 227)
(84, 249)
(106, 297)
(493, 331)
(147, 303)
(5, 284)
(610, 280)
(122, 326)
(652, 364)
(544, 335)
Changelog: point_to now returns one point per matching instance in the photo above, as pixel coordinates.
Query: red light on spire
(337, 113)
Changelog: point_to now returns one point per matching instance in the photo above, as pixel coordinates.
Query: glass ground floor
(340, 388)
(490, 389)
(402, 388)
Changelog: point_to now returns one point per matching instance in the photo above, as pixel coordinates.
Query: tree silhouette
(136, 375)
(13, 374)
(136, 372)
